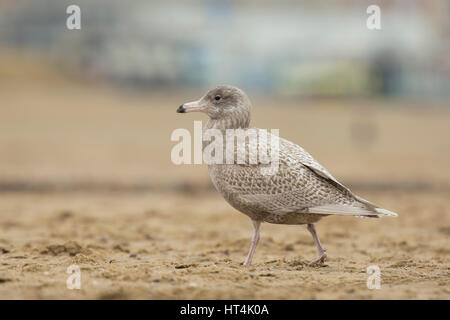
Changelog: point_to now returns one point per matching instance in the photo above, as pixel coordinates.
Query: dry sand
(151, 246)
(86, 179)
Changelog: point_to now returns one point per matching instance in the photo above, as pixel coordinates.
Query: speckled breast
(253, 209)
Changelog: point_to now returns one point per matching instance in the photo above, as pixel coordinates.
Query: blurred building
(300, 48)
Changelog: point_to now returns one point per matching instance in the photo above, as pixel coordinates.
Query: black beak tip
(180, 109)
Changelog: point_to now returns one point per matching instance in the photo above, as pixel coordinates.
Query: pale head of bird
(223, 103)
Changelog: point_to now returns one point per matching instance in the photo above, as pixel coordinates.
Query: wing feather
(300, 185)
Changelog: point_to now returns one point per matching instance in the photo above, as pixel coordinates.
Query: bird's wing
(308, 161)
(300, 184)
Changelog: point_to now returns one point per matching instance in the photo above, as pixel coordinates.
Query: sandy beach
(86, 179)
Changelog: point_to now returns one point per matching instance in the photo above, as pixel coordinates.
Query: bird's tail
(378, 210)
(386, 212)
(362, 208)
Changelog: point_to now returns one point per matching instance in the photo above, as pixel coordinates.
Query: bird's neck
(223, 124)
(238, 121)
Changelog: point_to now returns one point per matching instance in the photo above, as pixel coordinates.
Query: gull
(300, 191)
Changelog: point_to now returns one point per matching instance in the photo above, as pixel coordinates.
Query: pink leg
(322, 254)
(255, 241)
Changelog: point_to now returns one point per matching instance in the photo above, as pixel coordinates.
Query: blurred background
(96, 105)
(86, 117)
(292, 48)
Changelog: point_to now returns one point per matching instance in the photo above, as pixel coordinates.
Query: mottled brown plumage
(301, 191)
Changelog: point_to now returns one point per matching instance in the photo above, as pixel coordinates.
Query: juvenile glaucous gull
(300, 191)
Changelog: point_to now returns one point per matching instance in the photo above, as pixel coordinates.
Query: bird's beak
(193, 106)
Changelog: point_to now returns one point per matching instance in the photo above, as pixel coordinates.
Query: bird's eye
(217, 98)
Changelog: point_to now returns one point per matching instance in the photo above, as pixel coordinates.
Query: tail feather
(378, 210)
(346, 210)
(386, 212)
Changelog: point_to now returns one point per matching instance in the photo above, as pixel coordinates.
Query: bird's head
(222, 103)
